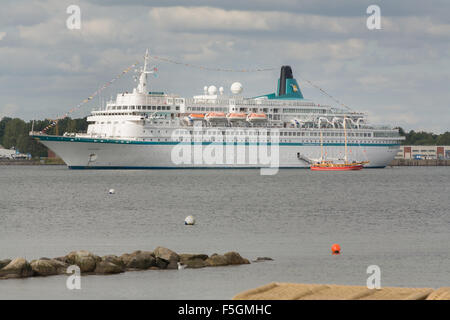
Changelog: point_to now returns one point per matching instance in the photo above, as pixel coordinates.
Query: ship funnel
(287, 85)
(286, 73)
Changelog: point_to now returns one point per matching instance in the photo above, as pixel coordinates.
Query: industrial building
(423, 153)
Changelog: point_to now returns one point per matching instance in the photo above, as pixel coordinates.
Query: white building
(12, 154)
(7, 153)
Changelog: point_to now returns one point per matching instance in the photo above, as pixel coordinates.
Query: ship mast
(345, 134)
(142, 86)
(321, 146)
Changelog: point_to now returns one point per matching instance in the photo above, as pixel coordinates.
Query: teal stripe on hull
(125, 142)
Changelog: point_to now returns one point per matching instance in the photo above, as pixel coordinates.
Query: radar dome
(212, 90)
(236, 88)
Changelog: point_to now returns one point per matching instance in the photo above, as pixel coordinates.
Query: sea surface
(397, 218)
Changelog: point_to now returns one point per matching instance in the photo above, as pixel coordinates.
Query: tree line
(425, 138)
(14, 133)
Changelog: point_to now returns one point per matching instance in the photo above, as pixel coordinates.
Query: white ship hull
(130, 154)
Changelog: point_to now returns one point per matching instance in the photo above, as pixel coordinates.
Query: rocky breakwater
(159, 259)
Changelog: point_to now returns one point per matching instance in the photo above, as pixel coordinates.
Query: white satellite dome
(212, 90)
(236, 88)
(221, 90)
(205, 89)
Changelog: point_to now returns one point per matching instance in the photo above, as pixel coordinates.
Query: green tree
(420, 138)
(14, 129)
(3, 124)
(443, 139)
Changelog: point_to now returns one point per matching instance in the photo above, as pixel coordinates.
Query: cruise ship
(145, 129)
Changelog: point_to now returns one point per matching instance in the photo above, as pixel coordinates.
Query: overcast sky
(399, 75)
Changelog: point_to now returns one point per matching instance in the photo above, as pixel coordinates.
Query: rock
(139, 260)
(84, 259)
(114, 259)
(172, 265)
(193, 260)
(48, 267)
(171, 257)
(161, 264)
(191, 256)
(107, 267)
(17, 268)
(235, 258)
(216, 260)
(260, 259)
(4, 262)
(153, 268)
(195, 263)
(61, 259)
(166, 254)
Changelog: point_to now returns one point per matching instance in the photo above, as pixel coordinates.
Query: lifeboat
(257, 117)
(215, 116)
(194, 117)
(237, 117)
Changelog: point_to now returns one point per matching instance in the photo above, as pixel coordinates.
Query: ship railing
(252, 102)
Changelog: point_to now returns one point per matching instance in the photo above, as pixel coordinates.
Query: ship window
(158, 108)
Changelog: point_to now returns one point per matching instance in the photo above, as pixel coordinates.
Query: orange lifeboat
(215, 116)
(193, 117)
(196, 116)
(237, 117)
(257, 117)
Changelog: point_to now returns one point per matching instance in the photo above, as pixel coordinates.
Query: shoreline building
(423, 153)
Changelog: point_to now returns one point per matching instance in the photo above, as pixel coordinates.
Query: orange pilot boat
(328, 165)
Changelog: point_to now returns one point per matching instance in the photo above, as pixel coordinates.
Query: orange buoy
(335, 249)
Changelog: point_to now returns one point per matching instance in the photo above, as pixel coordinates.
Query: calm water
(396, 218)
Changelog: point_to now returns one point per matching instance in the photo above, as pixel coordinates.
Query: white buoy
(181, 266)
(189, 221)
(112, 191)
